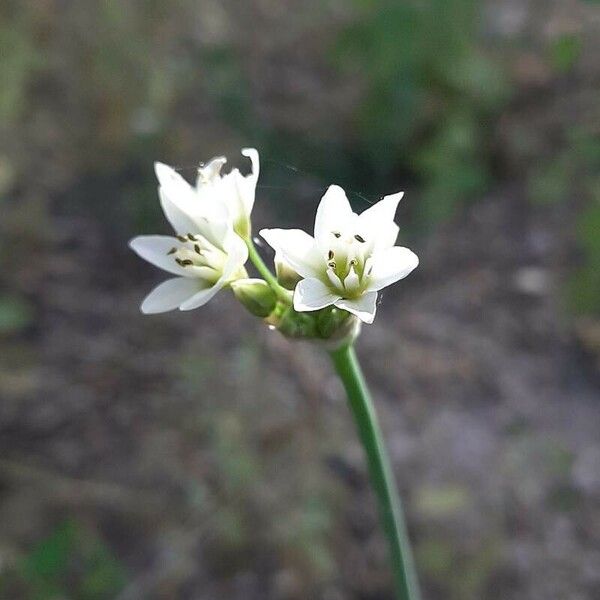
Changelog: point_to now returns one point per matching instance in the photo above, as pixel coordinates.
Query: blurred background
(200, 456)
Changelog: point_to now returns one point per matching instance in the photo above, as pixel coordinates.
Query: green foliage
(565, 51)
(119, 73)
(20, 60)
(453, 167)
(549, 183)
(252, 438)
(571, 175)
(15, 314)
(441, 501)
(228, 88)
(548, 456)
(72, 562)
(128, 89)
(307, 536)
(464, 576)
(430, 91)
(584, 285)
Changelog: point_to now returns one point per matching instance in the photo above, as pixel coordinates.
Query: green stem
(382, 478)
(283, 294)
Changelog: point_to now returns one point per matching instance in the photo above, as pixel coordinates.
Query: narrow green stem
(283, 294)
(382, 478)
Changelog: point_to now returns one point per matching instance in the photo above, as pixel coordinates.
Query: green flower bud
(330, 320)
(286, 276)
(296, 325)
(255, 295)
(330, 326)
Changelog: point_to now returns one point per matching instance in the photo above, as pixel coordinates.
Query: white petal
(312, 294)
(363, 307)
(383, 211)
(188, 209)
(170, 294)
(174, 187)
(298, 249)
(171, 180)
(335, 281)
(179, 219)
(333, 214)
(388, 234)
(233, 190)
(155, 248)
(210, 170)
(377, 222)
(216, 231)
(233, 194)
(200, 298)
(237, 255)
(391, 265)
(352, 282)
(249, 187)
(208, 204)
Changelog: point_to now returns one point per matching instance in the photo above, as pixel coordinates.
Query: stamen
(359, 238)
(172, 250)
(337, 234)
(191, 237)
(187, 262)
(331, 264)
(330, 255)
(197, 249)
(181, 238)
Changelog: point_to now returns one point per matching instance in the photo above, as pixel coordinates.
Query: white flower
(206, 254)
(235, 191)
(350, 258)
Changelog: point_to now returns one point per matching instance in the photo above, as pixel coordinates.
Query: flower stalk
(382, 478)
(282, 294)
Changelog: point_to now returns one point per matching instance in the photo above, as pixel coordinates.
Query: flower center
(348, 263)
(199, 255)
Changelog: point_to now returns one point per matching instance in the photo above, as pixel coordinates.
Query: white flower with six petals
(206, 254)
(350, 258)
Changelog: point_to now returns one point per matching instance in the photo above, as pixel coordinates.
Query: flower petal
(216, 231)
(201, 297)
(237, 255)
(189, 209)
(312, 294)
(210, 171)
(363, 307)
(391, 265)
(298, 249)
(232, 190)
(248, 187)
(383, 211)
(377, 222)
(333, 214)
(180, 221)
(170, 294)
(171, 180)
(155, 249)
(176, 198)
